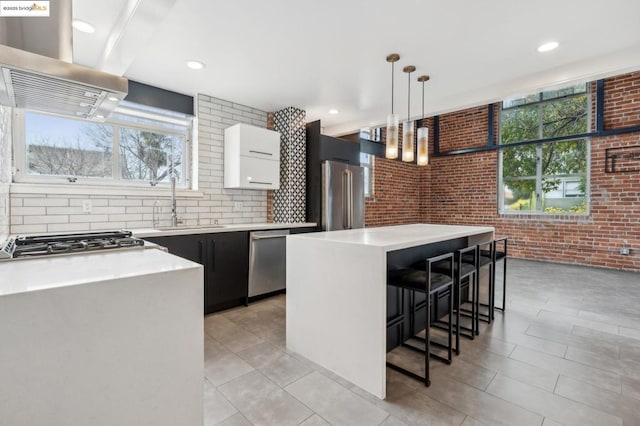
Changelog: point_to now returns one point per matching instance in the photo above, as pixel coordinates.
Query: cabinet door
(190, 247)
(256, 173)
(228, 270)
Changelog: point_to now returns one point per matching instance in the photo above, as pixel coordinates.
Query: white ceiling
(319, 55)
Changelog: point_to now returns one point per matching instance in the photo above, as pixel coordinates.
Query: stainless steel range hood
(36, 72)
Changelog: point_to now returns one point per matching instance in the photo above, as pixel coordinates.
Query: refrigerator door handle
(347, 199)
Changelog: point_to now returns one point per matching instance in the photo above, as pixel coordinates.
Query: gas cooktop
(20, 246)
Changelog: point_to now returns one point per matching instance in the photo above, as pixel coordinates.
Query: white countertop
(187, 230)
(48, 272)
(397, 237)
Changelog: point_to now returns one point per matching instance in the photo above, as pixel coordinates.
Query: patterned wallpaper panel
(289, 202)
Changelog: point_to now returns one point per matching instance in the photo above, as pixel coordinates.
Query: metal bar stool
(500, 253)
(483, 258)
(464, 283)
(429, 282)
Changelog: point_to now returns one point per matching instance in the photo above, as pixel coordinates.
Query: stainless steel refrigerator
(342, 196)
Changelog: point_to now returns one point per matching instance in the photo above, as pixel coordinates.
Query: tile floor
(566, 352)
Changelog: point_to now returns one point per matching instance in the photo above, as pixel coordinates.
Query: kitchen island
(337, 292)
(106, 338)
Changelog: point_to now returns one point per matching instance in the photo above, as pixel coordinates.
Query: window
(366, 161)
(552, 176)
(136, 145)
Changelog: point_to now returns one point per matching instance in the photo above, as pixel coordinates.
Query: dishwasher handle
(267, 237)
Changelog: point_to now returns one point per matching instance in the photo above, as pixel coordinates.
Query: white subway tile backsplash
(65, 210)
(27, 229)
(28, 211)
(45, 202)
(32, 220)
(67, 227)
(87, 218)
(126, 202)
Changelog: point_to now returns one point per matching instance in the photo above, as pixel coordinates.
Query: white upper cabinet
(251, 157)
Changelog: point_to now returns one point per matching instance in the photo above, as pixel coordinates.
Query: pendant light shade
(392, 119)
(408, 126)
(423, 131)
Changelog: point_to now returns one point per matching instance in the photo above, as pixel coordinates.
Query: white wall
(50, 212)
(5, 167)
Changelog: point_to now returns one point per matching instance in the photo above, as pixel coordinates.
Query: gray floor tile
(598, 377)
(622, 406)
(216, 407)
(334, 403)
(262, 402)
(481, 405)
(233, 336)
(465, 372)
(580, 322)
(517, 370)
(315, 420)
(631, 387)
(235, 420)
(220, 364)
(630, 332)
(548, 404)
(523, 340)
(591, 344)
(600, 326)
(470, 421)
(392, 421)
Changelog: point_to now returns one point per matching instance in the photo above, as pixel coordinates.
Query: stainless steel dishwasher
(267, 261)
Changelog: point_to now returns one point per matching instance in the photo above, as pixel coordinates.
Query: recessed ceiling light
(83, 26)
(547, 47)
(333, 111)
(113, 99)
(195, 65)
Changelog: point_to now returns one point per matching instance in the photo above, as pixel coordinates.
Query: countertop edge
(144, 233)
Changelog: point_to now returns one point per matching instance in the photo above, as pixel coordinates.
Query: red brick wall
(622, 101)
(464, 129)
(463, 190)
(396, 189)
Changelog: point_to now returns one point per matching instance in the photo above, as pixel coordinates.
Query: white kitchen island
(337, 293)
(107, 338)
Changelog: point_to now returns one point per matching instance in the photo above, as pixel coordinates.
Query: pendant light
(392, 119)
(423, 131)
(407, 126)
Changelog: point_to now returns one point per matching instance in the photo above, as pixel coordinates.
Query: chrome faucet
(155, 211)
(174, 214)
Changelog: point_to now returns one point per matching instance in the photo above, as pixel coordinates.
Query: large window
(136, 145)
(551, 176)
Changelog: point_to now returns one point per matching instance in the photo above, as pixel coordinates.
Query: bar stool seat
(429, 282)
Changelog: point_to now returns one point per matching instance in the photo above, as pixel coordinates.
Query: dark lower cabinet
(225, 257)
(226, 270)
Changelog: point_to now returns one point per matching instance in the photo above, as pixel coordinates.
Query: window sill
(100, 190)
(546, 217)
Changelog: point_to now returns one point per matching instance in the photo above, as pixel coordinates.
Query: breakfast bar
(337, 292)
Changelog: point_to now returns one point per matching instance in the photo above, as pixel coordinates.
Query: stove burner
(73, 243)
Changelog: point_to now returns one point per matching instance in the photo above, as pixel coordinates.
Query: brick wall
(396, 189)
(463, 190)
(464, 129)
(37, 212)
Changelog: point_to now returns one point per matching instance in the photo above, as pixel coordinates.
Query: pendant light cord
(392, 67)
(408, 96)
(422, 104)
